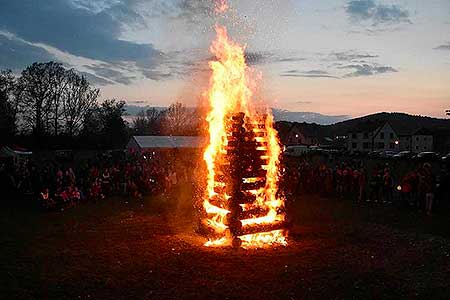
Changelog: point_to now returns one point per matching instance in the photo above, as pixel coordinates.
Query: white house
(386, 139)
(373, 137)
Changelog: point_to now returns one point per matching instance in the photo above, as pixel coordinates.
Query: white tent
(15, 154)
(143, 143)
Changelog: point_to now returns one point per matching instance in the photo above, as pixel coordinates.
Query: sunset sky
(333, 57)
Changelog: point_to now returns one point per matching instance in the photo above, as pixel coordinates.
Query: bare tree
(7, 104)
(53, 99)
(148, 122)
(79, 98)
(59, 84)
(179, 120)
(34, 90)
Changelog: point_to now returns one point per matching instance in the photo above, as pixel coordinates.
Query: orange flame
(230, 93)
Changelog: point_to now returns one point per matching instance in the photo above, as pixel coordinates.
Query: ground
(120, 250)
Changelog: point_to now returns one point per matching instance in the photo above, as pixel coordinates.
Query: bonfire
(242, 206)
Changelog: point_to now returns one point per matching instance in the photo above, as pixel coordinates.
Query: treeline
(177, 119)
(49, 106)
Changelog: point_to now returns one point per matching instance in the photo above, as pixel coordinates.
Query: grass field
(119, 250)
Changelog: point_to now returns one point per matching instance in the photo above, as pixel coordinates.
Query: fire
(241, 204)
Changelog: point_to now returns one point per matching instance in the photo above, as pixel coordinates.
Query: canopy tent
(7, 151)
(145, 143)
(14, 153)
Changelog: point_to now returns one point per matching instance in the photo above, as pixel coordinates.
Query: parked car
(297, 150)
(315, 148)
(446, 158)
(387, 154)
(403, 155)
(374, 154)
(427, 156)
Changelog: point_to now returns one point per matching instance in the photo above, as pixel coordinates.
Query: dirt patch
(116, 250)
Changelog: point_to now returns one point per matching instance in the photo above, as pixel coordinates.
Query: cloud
(316, 72)
(290, 59)
(443, 47)
(16, 53)
(95, 80)
(367, 70)
(336, 65)
(371, 11)
(72, 29)
(106, 72)
(261, 57)
(79, 28)
(308, 74)
(350, 55)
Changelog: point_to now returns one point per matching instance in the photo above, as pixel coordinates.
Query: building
(292, 134)
(373, 136)
(405, 142)
(441, 140)
(385, 137)
(152, 143)
(422, 141)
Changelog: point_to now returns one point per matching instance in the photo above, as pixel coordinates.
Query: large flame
(229, 93)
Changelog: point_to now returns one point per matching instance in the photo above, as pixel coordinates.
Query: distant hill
(317, 124)
(403, 123)
(308, 117)
(279, 115)
(133, 110)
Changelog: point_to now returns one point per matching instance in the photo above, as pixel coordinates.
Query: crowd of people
(60, 186)
(56, 186)
(420, 187)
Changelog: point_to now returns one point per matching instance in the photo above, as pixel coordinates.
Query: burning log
(263, 228)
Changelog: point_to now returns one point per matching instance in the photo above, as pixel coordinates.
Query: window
(391, 135)
(354, 145)
(425, 139)
(417, 138)
(353, 135)
(366, 145)
(381, 145)
(366, 135)
(382, 135)
(417, 147)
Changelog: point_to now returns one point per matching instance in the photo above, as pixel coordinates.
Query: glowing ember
(241, 204)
